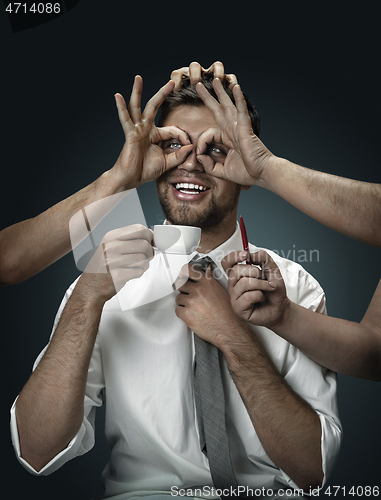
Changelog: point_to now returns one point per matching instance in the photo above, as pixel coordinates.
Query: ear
(245, 187)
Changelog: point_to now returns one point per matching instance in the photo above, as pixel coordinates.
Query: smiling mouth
(189, 188)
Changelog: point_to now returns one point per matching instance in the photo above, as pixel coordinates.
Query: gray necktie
(210, 405)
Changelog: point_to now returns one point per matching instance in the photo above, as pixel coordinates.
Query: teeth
(185, 185)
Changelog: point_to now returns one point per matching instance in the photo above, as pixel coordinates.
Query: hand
(142, 159)
(257, 294)
(123, 255)
(204, 305)
(195, 72)
(247, 156)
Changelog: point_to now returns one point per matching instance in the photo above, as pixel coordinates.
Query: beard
(207, 216)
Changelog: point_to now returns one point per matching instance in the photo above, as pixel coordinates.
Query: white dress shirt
(143, 363)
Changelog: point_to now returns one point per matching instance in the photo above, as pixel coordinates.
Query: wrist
(272, 170)
(235, 341)
(287, 319)
(86, 294)
(115, 181)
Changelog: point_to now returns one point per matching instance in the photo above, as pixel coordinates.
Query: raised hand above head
(195, 72)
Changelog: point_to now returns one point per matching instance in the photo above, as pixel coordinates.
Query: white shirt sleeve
(84, 440)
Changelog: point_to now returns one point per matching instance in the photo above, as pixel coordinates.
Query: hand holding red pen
(257, 290)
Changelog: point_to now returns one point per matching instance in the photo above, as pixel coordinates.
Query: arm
(343, 346)
(288, 428)
(49, 409)
(348, 206)
(28, 247)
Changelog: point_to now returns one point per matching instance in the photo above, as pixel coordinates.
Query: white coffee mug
(173, 239)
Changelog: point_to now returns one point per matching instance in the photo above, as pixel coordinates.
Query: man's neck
(211, 239)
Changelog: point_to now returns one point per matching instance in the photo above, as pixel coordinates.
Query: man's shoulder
(301, 286)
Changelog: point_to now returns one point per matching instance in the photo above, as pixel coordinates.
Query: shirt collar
(232, 244)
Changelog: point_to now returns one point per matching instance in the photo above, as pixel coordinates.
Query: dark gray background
(312, 69)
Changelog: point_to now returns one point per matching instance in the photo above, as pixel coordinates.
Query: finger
(242, 272)
(135, 100)
(230, 260)
(217, 68)
(245, 271)
(210, 102)
(213, 168)
(156, 101)
(207, 163)
(135, 231)
(243, 117)
(246, 301)
(178, 74)
(178, 157)
(122, 246)
(191, 271)
(232, 79)
(129, 260)
(270, 270)
(172, 132)
(224, 99)
(247, 284)
(182, 299)
(195, 70)
(127, 253)
(124, 117)
(211, 135)
(180, 282)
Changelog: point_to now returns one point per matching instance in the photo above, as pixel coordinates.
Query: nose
(191, 164)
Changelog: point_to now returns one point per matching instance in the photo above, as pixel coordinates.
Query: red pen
(244, 240)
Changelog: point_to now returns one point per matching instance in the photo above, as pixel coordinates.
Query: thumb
(177, 157)
(207, 163)
(210, 167)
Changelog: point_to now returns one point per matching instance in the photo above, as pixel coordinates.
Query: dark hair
(187, 95)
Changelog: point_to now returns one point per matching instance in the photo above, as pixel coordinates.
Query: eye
(214, 150)
(174, 145)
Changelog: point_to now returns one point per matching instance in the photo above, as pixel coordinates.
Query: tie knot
(202, 262)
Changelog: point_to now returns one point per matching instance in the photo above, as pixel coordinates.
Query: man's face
(214, 203)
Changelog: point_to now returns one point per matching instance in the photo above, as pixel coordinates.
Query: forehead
(194, 120)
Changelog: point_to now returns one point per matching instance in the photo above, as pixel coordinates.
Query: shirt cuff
(72, 449)
(331, 435)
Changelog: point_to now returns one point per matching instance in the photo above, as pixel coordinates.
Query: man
(281, 409)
